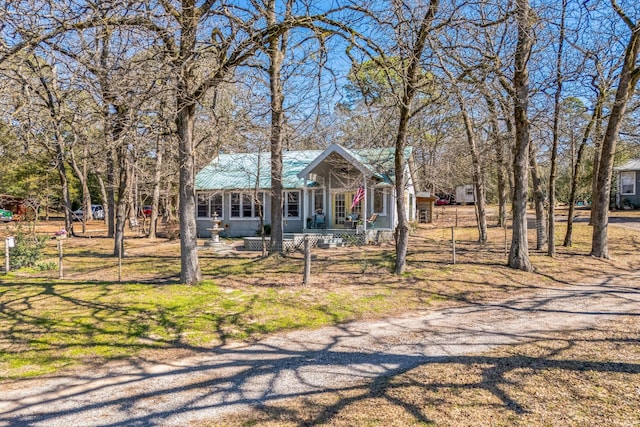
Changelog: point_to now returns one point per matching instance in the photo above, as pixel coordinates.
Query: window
(291, 206)
(203, 206)
(235, 205)
(216, 205)
(628, 183)
(379, 201)
(318, 200)
(208, 204)
(245, 205)
(340, 209)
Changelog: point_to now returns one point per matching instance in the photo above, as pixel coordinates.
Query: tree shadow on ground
(322, 376)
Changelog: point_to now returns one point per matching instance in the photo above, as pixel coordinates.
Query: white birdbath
(215, 230)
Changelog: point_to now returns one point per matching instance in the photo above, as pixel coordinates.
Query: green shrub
(267, 230)
(46, 266)
(27, 250)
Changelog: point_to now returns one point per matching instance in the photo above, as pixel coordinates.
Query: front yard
(48, 323)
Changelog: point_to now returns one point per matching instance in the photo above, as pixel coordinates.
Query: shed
(424, 205)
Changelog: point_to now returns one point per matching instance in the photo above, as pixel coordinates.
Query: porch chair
(319, 220)
(371, 221)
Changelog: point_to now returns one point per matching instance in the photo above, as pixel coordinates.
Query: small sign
(11, 242)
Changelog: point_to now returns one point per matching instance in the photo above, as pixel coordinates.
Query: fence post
(60, 268)
(120, 262)
(7, 266)
(506, 250)
(456, 217)
(453, 243)
(307, 261)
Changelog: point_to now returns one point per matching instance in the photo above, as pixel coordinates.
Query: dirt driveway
(207, 386)
(632, 223)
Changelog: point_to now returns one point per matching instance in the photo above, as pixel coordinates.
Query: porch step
(335, 242)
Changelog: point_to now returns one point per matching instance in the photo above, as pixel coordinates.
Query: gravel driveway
(232, 379)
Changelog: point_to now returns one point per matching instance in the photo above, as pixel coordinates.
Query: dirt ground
(227, 385)
(514, 356)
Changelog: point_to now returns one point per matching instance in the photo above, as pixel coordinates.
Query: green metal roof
(631, 165)
(241, 170)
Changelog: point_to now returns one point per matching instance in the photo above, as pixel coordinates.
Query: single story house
(628, 177)
(332, 189)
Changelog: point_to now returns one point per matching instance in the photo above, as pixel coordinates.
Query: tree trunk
(538, 200)
(132, 195)
(478, 177)
(572, 197)
(66, 199)
(81, 174)
(551, 247)
(595, 117)
(123, 193)
(597, 151)
(103, 193)
(110, 212)
(113, 129)
(519, 253)
(155, 198)
(501, 169)
(120, 215)
(186, 99)
(410, 87)
(190, 267)
(628, 79)
(402, 229)
(275, 53)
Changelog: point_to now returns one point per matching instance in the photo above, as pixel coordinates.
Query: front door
(341, 204)
(339, 209)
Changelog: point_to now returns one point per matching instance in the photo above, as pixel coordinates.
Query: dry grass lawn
(580, 377)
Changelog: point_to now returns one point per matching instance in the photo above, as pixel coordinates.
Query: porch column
(305, 204)
(365, 200)
(393, 209)
(326, 195)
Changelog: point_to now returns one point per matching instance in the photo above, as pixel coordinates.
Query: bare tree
(473, 145)
(231, 40)
(411, 82)
(596, 116)
(45, 99)
(276, 46)
(538, 197)
(501, 158)
(627, 81)
(519, 253)
(551, 246)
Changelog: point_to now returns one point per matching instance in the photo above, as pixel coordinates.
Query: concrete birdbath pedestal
(215, 231)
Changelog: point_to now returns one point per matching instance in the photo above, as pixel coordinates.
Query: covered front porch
(343, 195)
(325, 238)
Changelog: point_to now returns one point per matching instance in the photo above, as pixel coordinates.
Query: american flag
(357, 197)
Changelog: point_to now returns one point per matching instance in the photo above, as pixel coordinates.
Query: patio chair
(319, 221)
(371, 221)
